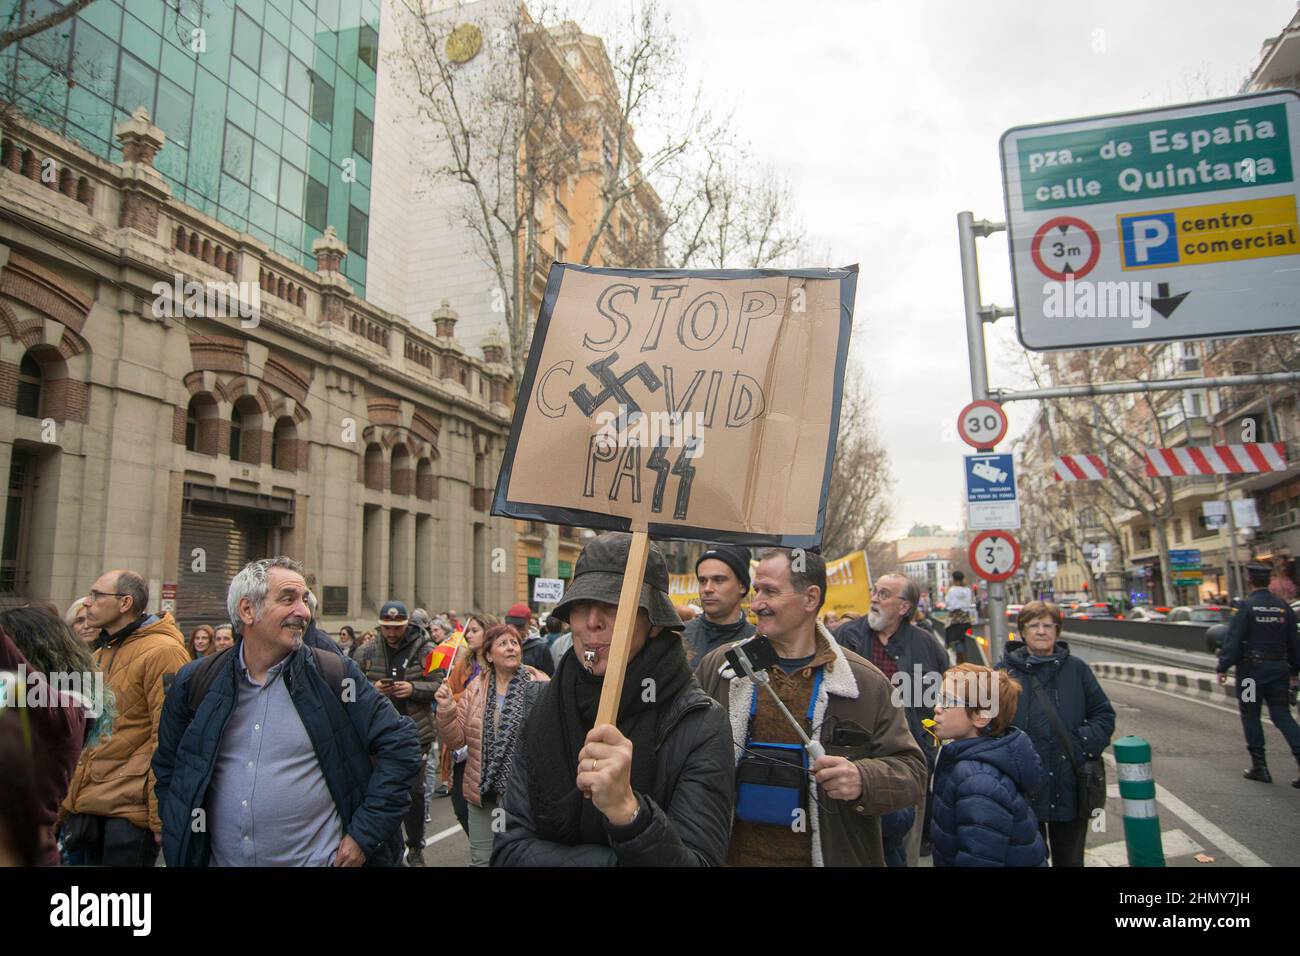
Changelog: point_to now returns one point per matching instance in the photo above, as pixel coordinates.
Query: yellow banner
(848, 586)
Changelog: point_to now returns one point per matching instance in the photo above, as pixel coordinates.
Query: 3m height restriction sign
(1176, 223)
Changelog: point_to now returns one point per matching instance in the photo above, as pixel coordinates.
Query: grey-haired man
(277, 753)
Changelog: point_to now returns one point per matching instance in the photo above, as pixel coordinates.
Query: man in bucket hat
(655, 790)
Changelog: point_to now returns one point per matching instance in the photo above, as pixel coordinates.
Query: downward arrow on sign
(1164, 303)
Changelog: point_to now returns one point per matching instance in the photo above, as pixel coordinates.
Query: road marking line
(1157, 690)
(1174, 842)
(1238, 852)
(430, 841)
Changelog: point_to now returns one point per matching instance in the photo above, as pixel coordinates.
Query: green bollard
(1137, 787)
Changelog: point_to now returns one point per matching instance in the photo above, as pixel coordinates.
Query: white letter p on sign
(1148, 234)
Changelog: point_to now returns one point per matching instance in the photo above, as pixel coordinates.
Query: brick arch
(286, 406)
(244, 385)
(45, 292)
(72, 344)
(202, 381)
(62, 396)
(9, 323)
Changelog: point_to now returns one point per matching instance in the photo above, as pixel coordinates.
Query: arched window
(374, 467)
(202, 424)
(284, 445)
(402, 476)
(29, 387)
(425, 487)
(245, 431)
(236, 432)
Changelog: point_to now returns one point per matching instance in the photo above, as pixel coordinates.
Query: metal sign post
(967, 230)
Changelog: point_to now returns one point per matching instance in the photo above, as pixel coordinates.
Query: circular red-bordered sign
(976, 429)
(1064, 222)
(994, 555)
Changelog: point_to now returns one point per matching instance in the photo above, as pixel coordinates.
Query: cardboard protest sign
(688, 404)
(848, 587)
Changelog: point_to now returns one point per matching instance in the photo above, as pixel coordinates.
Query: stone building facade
(177, 399)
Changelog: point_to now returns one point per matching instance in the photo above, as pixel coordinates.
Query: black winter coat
(375, 659)
(1084, 709)
(690, 806)
(367, 752)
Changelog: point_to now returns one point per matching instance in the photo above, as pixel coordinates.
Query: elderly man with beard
(277, 753)
(888, 639)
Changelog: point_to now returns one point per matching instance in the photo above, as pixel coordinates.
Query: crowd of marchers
(266, 742)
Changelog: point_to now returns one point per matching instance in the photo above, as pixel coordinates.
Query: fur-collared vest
(856, 697)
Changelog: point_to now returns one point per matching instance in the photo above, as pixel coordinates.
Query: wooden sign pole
(620, 648)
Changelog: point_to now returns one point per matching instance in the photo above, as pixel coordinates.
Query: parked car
(1013, 612)
(1200, 614)
(1149, 614)
(1214, 635)
(1096, 611)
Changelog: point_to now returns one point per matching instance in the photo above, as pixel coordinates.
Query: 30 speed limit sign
(982, 424)
(994, 555)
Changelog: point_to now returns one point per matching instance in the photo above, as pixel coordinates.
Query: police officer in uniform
(1263, 645)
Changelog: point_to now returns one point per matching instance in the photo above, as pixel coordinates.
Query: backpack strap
(332, 669)
(202, 679)
(330, 665)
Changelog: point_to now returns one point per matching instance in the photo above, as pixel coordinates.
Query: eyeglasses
(882, 594)
(96, 595)
(951, 703)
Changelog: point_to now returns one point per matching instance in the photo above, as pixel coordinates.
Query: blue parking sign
(1149, 239)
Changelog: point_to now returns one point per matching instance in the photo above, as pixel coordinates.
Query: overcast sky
(885, 117)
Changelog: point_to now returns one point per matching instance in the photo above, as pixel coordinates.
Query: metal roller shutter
(229, 539)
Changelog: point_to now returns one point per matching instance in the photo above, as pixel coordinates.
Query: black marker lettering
(620, 324)
(663, 295)
(753, 305)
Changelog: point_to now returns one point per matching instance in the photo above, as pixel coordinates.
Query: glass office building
(268, 105)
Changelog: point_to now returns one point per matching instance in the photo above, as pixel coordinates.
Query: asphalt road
(1205, 806)
(445, 843)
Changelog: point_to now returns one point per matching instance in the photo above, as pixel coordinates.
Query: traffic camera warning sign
(1156, 225)
(991, 492)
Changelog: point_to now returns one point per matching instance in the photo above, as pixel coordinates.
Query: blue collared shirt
(268, 803)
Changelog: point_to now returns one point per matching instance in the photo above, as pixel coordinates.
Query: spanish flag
(442, 656)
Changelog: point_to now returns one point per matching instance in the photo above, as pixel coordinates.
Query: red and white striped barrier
(1080, 468)
(1217, 459)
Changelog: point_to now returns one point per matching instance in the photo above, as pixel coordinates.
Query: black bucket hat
(599, 577)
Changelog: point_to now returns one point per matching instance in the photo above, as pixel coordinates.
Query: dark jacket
(981, 816)
(1085, 712)
(367, 753)
(701, 636)
(53, 733)
(894, 828)
(921, 661)
(377, 657)
(1262, 638)
(536, 652)
(689, 808)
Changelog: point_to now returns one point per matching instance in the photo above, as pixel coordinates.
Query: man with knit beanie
(653, 789)
(723, 573)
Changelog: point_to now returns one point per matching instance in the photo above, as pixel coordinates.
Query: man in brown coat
(871, 767)
(111, 809)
